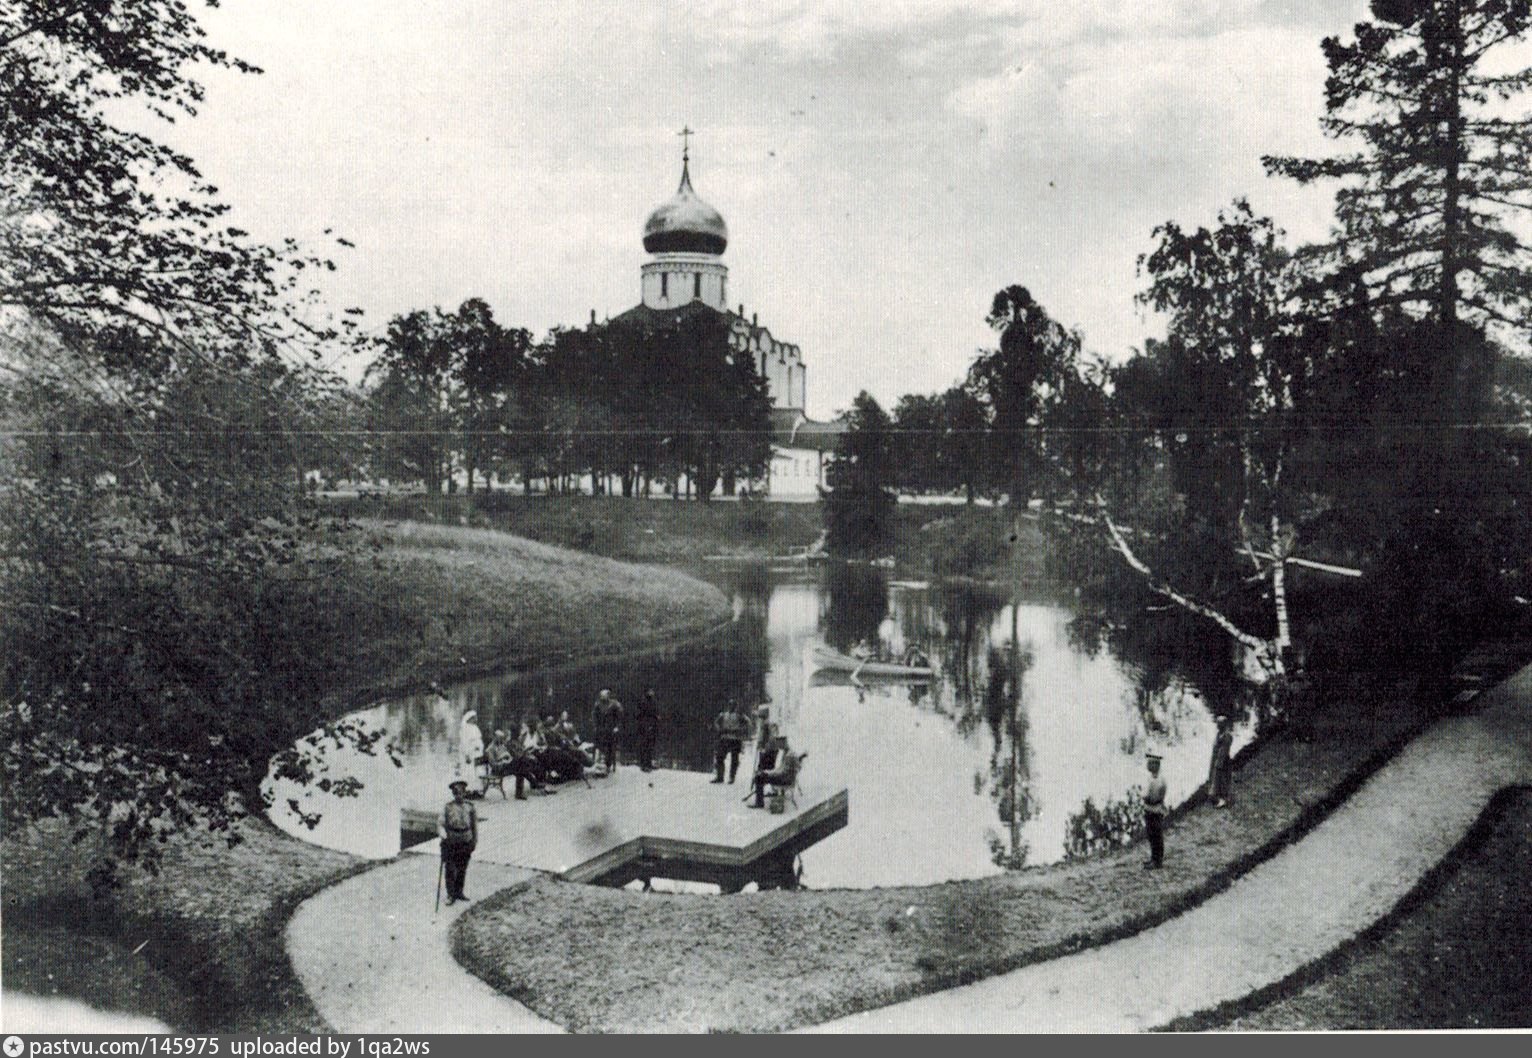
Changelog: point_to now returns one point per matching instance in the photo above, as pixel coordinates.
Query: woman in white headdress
(470, 744)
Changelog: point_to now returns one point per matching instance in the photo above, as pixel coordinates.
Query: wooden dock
(663, 824)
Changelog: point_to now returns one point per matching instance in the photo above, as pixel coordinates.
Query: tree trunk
(1452, 188)
(1284, 642)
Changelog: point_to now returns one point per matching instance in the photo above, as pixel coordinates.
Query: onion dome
(685, 224)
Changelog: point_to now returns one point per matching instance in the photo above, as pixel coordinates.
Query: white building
(685, 273)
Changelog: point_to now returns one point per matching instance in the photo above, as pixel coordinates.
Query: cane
(441, 868)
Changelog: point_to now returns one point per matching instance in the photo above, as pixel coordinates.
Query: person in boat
(863, 650)
(646, 720)
(784, 773)
(730, 727)
(608, 716)
(915, 658)
(458, 829)
(507, 757)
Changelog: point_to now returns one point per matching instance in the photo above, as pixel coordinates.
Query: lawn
(441, 602)
(930, 540)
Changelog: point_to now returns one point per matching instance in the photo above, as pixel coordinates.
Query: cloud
(883, 166)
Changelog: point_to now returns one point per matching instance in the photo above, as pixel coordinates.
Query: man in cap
(458, 829)
(608, 727)
(1154, 814)
(730, 726)
(765, 740)
(1221, 769)
(647, 721)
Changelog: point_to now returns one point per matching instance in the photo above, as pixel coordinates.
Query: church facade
(685, 239)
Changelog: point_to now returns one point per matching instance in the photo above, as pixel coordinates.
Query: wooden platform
(663, 824)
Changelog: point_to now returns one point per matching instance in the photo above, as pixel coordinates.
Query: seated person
(572, 739)
(862, 651)
(784, 774)
(504, 757)
(556, 755)
(915, 659)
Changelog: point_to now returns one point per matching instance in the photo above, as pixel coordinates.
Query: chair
(488, 778)
(791, 789)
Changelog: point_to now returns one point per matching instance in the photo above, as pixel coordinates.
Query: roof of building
(645, 316)
(748, 333)
(790, 428)
(685, 224)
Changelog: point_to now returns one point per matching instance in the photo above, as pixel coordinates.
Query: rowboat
(835, 661)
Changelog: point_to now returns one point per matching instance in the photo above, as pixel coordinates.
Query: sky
(884, 166)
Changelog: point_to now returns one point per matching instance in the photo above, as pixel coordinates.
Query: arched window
(664, 286)
(697, 285)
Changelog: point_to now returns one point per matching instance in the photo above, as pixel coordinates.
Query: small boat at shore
(833, 660)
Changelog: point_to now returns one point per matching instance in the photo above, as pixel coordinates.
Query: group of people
(775, 763)
(868, 650)
(542, 753)
(545, 751)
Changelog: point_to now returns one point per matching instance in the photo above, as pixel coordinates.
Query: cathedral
(685, 239)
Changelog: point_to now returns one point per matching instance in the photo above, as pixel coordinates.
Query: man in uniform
(1154, 815)
(459, 830)
(730, 727)
(608, 727)
(1220, 771)
(647, 721)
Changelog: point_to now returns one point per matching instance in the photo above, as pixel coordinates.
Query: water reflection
(1027, 748)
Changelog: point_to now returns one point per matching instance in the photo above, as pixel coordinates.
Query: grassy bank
(938, 540)
(1453, 956)
(452, 602)
(666, 532)
(769, 961)
(443, 602)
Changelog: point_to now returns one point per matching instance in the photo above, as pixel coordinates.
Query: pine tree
(1425, 218)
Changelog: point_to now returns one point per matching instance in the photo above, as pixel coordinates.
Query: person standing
(730, 727)
(647, 720)
(1154, 815)
(458, 829)
(470, 745)
(1221, 770)
(608, 727)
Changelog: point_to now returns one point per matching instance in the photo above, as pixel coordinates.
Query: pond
(1028, 748)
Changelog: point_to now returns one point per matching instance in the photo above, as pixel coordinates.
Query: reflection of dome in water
(685, 224)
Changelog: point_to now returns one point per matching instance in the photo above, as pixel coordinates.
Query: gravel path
(1294, 908)
(375, 958)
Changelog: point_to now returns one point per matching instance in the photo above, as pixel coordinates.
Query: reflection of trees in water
(421, 725)
(751, 589)
(1010, 769)
(1096, 829)
(855, 603)
(967, 614)
(1169, 652)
